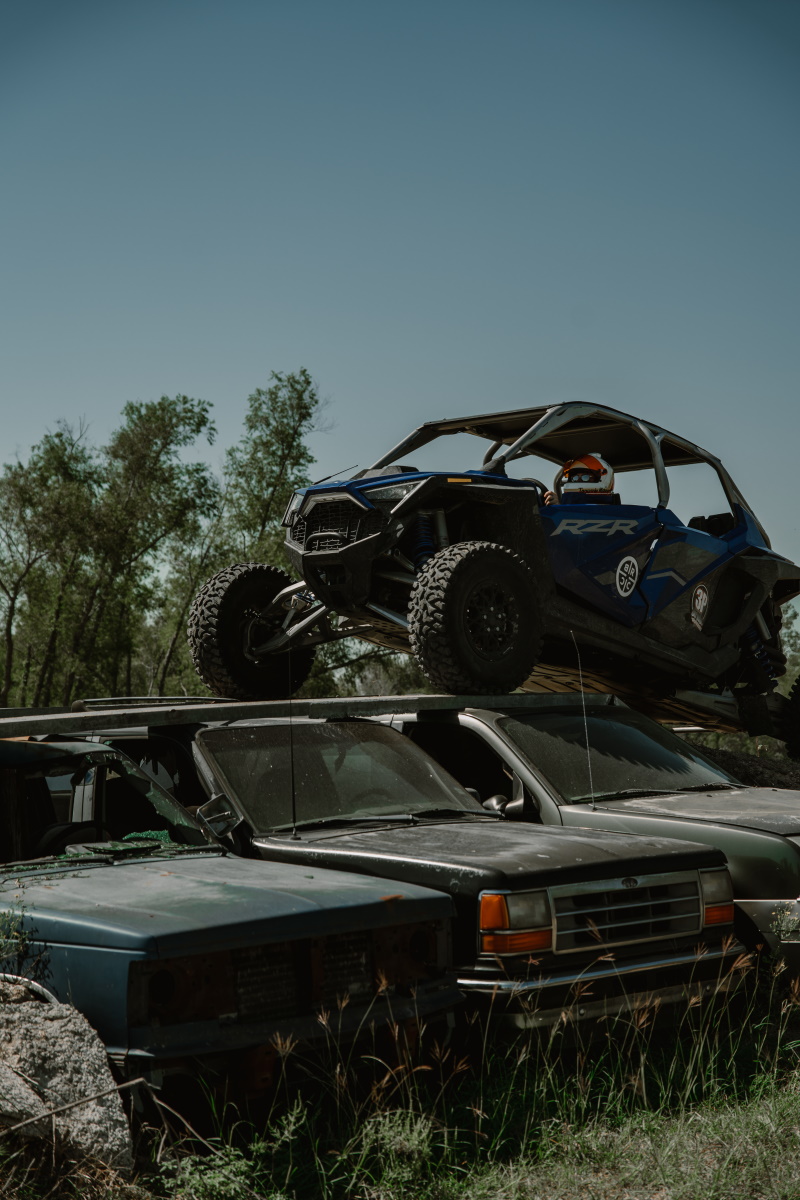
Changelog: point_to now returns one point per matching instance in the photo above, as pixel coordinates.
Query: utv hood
(167, 907)
(471, 855)
(770, 810)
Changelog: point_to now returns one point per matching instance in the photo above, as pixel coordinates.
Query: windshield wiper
(620, 795)
(391, 818)
(456, 812)
(625, 792)
(709, 787)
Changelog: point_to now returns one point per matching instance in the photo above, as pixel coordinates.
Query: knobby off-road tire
(472, 619)
(791, 722)
(221, 614)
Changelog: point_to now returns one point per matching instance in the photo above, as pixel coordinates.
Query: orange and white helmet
(589, 473)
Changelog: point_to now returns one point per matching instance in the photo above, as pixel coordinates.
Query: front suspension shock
(424, 546)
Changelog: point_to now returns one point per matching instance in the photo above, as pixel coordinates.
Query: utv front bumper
(332, 544)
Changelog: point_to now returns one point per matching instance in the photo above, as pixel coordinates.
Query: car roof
(20, 752)
(575, 428)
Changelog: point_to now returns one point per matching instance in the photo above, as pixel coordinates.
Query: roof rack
(122, 714)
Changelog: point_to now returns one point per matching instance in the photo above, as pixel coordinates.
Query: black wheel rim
(257, 629)
(491, 621)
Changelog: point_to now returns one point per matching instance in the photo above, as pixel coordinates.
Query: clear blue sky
(436, 207)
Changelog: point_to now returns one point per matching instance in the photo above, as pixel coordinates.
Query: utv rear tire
(221, 613)
(791, 722)
(472, 619)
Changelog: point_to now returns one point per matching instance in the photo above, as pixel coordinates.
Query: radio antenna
(295, 835)
(585, 719)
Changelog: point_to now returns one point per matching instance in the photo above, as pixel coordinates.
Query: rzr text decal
(576, 525)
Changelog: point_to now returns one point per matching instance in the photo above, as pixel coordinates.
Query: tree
(269, 462)
(790, 639)
(103, 549)
(83, 538)
(44, 506)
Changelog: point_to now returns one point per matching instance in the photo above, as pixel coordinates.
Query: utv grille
(340, 523)
(630, 910)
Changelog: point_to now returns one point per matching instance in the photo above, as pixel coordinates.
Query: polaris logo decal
(627, 576)
(609, 527)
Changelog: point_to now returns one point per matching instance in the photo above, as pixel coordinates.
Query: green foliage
(701, 1099)
(269, 463)
(547, 1109)
(790, 639)
(14, 936)
(103, 549)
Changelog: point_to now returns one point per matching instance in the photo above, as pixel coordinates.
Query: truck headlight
(515, 922)
(717, 897)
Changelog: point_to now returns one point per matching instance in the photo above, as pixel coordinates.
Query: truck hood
(771, 810)
(469, 855)
(166, 907)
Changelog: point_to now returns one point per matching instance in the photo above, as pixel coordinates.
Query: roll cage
(563, 431)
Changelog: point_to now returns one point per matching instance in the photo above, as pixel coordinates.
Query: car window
(465, 755)
(627, 752)
(333, 769)
(44, 810)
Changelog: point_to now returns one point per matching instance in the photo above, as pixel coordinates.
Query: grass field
(700, 1102)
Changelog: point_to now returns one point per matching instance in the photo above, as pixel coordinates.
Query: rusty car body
(183, 956)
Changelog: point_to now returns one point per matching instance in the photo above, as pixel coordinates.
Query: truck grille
(294, 979)
(616, 911)
(266, 982)
(284, 979)
(340, 523)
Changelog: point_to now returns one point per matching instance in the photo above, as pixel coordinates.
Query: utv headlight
(293, 508)
(515, 923)
(393, 492)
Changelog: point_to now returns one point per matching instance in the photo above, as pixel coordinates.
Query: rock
(19, 1102)
(49, 1056)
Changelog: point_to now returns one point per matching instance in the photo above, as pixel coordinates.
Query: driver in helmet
(588, 479)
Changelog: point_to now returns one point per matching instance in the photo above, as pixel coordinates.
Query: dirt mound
(757, 770)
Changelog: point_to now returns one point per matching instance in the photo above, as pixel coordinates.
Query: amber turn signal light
(494, 911)
(718, 914)
(517, 943)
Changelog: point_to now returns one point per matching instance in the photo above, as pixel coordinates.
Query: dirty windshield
(339, 770)
(628, 754)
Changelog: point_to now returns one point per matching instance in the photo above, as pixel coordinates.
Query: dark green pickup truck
(181, 954)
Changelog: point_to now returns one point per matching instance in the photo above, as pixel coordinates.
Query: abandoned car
(541, 913)
(636, 776)
(666, 594)
(181, 955)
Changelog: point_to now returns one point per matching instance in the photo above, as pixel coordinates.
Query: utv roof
(559, 432)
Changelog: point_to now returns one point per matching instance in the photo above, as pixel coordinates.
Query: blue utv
(667, 593)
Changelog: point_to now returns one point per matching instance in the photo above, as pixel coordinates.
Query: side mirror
(496, 804)
(218, 815)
